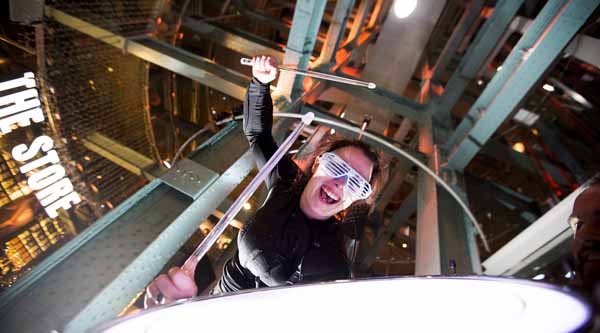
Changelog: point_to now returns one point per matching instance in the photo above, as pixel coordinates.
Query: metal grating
(93, 87)
(126, 17)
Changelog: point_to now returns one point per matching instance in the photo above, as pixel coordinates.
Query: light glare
(403, 8)
(459, 304)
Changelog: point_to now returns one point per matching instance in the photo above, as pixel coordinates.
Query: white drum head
(428, 304)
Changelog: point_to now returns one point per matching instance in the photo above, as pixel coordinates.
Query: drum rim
(566, 290)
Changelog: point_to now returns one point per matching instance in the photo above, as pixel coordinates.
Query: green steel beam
(19, 290)
(116, 295)
(336, 32)
(190, 65)
(300, 44)
(544, 41)
(242, 44)
(444, 233)
(164, 55)
(456, 232)
(469, 17)
(477, 54)
(243, 7)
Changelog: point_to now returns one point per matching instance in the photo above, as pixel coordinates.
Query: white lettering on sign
(45, 174)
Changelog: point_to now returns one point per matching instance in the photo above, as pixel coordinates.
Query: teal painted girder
(549, 34)
(303, 35)
(469, 17)
(477, 54)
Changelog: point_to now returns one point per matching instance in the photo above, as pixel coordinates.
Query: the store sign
(45, 174)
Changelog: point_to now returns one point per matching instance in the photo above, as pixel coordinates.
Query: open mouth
(328, 196)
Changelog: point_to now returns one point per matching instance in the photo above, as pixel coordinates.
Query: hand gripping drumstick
(190, 264)
(189, 267)
(319, 75)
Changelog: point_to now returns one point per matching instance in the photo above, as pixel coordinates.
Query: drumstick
(319, 75)
(190, 264)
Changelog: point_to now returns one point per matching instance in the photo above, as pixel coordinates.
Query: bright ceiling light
(548, 87)
(519, 146)
(403, 8)
(247, 206)
(404, 245)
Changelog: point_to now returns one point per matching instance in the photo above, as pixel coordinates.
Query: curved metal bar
(403, 153)
(399, 151)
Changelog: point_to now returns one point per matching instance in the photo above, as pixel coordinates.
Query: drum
(404, 304)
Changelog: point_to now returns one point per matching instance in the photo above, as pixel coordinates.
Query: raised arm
(258, 120)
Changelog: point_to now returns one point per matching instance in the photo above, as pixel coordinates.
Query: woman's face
(324, 196)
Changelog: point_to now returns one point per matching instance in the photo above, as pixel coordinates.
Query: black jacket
(280, 244)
